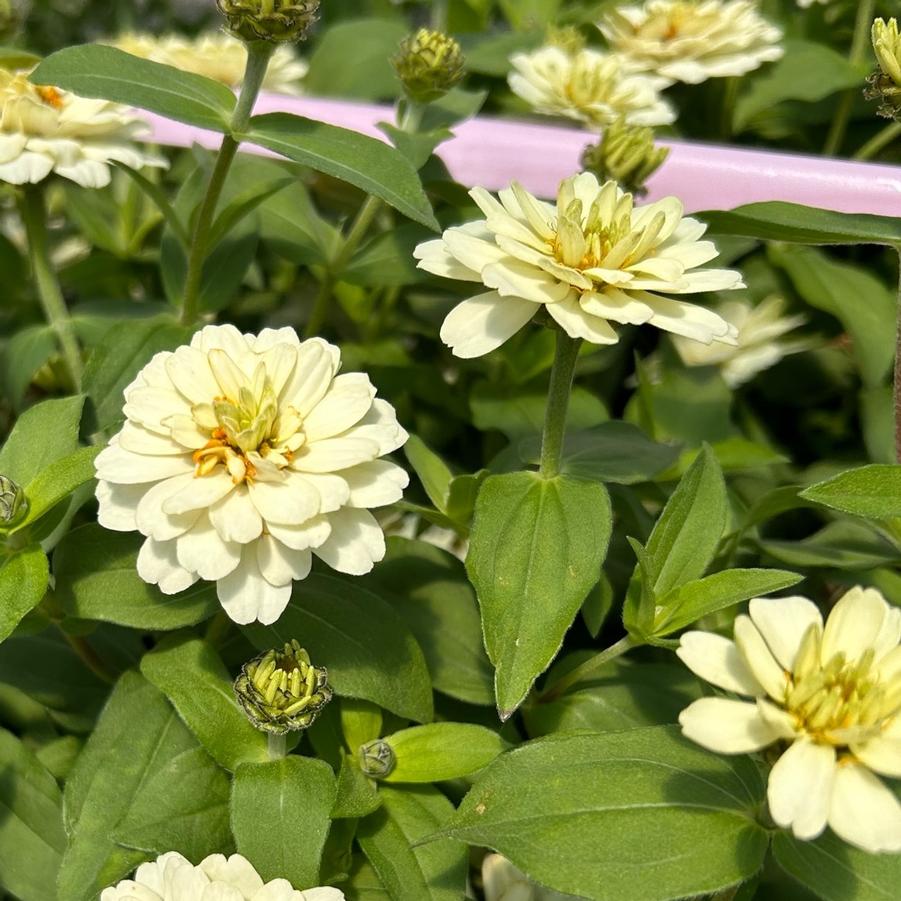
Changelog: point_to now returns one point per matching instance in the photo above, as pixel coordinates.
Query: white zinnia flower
(806, 4)
(45, 130)
(241, 457)
(592, 259)
(761, 329)
(833, 693)
(692, 41)
(504, 882)
(216, 55)
(588, 86)
(173, 878)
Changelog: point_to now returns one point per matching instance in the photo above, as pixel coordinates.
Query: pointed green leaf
(873, 492)
(23, 583)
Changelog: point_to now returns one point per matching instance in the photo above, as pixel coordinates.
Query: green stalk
(439, 15)
(278, 746)
(879, 141)
(582, 672)
(897, 383)
(559, 392)
(34, 217)
(258, 56)
(862, 26)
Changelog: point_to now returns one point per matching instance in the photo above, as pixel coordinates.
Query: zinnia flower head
(693, 40)
(429, 64)
(44, 130)
(588, 86)
(833, 693)
(173, 878)
(241, 457)
(216, 55)
(761, 340)
(591, 259)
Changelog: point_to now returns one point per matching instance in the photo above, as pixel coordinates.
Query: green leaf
(647, 800)
(838, 872)
(433, 872)
(42, 435)
(873, 492)
(190, 673)
(433, 472)
(95, 70)
(184, 805)
(23, 583)
(536, 551)
(280, 817)
(357, 796)
(808, 71)
(798, 224)
(688, 602)
(847, 544)
(97, 579)
(441, 751)
(16, 58)
(368, 164)
(429, 589)
(32, 838)
(57, 481)
(23, 355)
(355, 633)
(137, 735)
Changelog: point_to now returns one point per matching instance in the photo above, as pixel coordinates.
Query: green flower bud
(626, 154)
(377, 759)
(281, 21)
(13, 503)
(885, 82)
(12, 14)
(281, 691)
(429, 64)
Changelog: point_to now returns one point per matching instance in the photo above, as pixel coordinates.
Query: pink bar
(494, 152)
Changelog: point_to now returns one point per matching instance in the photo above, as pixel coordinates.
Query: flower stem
(89, 657)
(862, 26)
(34, 218)
(879, 141)
(562, 685)
(559, 393)
(258, 56)
(897, 382)
(278, 746)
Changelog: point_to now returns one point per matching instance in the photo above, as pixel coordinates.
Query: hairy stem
(562, 685)
(559, 393)
(278, 746)
(879, 141)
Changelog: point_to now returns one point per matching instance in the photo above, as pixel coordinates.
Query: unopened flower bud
(429, 64)
(885, 82)
(568, 38)
(13, 503)
(282, 21)
(627, 154)
(281, 691)
(377, 759)
(12, 14)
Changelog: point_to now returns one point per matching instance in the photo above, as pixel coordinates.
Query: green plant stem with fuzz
(879, 141)
(278, 746)
(559, 391)
(89, 657)
(258, 56)
(34, 217)
(859, 44)
(582, 672)
(439, 15)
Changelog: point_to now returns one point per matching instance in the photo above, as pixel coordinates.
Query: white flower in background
(693, 41)
(592, 259)
(216, 55)
(806, 4)
(833, 693)
(241, 457)
(44, 130)
(173, 878)
(588, 86)
(504, 882)
(761, 329)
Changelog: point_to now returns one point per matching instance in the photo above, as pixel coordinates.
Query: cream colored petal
(140, 440)
(381, 426)
(434, 257)
(616, 305)
(158, 564)
(883, 753)
(472, 252)
(346, 402)
(579, 324)
(889, 635)
(514, 278)
(190, 373)
(300, 538)
(236, 518)
(118, 505)
(483, 323)
(688, 319)
(198, 493)
(317, 363)
(799, 791)
(247, 597)
(356, 542)
(334, 454)
(203, 552)
(333, 490)
(152, 520)
(889, 666)
(725, 726)
(375, 484)
(717, 660)
(783, 622)
(280, 564)
(152, 405)
(279, 361)
(854, 623)
(864, 811)
(760, 659)
(289, 503)
(115, 464)
(235, 870)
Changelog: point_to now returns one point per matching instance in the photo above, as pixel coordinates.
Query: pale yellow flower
(692, 41)
(832, 692)
(887, 46)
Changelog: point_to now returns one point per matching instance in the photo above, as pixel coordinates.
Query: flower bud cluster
(279, 21)
(627, 155)
(429, 64)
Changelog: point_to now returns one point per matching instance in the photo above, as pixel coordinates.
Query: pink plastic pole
(494, 152)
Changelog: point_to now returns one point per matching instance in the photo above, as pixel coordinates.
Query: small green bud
(627, 154)
(377, 759)
(281, 21)
(13, 503)
(885, 82)
(281, 691)
(429, 64)
(12, 14)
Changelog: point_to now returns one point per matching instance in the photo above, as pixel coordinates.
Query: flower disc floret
(688, 41)
(44, 130)
(241, 457)
(591, 259)
(588, 86)
(832, 692)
